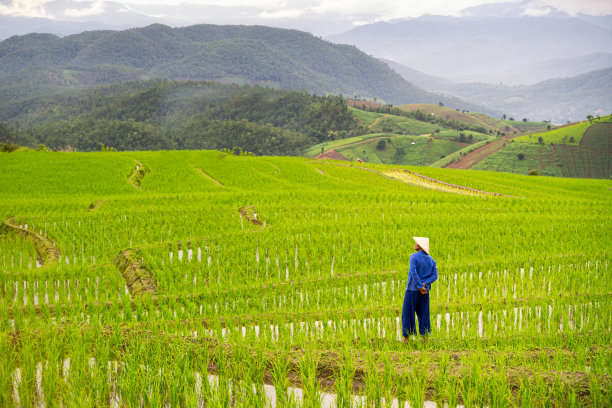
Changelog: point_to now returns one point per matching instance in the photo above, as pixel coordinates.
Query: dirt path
(471, 159)
(378, 120)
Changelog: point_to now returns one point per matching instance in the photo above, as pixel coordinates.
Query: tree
(590, 118)
(381, 145)
(540, 139)
(524, 119)
(521, 156)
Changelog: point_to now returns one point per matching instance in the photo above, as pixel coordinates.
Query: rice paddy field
(202, 279)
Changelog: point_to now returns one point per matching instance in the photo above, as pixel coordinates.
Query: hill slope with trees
(164, 114)
(287, 59)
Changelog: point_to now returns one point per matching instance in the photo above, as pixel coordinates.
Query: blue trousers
(415, 302)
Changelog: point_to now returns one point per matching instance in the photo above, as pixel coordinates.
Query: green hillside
(279, 58)
(182, 277)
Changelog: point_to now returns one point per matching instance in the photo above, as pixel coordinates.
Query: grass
(567, 135)
(590, 159)
(536, 157)
(418, 150)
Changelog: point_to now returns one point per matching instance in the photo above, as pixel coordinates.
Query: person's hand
(423, 290)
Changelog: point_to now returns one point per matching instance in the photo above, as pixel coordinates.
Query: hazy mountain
(602, 21)
(486, 39)
(287, 59)
(541, 71)
(11, 25)
(558, 100)
(418, 78)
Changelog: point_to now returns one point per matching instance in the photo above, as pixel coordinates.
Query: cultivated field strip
(167, 285)
(423, 181)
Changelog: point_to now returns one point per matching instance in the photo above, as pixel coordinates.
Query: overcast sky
(378, 9)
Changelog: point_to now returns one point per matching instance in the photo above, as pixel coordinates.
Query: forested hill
(287, 59)
(164, 114)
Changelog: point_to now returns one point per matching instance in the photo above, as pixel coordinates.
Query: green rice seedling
(308, 376)
(343, 380)
(417, 383)
(280, 378)
(374, 393)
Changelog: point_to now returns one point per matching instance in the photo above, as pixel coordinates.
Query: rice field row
(286, 276)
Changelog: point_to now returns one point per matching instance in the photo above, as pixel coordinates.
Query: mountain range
(505, 42)
(281, 58)
(557, 100)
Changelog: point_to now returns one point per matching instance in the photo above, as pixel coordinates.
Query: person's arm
(432, 278)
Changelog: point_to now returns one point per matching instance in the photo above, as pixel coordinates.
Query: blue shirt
(422, 271)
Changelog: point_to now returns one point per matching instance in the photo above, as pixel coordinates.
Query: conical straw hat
(423, 243)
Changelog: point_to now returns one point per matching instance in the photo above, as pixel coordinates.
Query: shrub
(534, 172)
(521, 156)
(8, 147)
(381, 144)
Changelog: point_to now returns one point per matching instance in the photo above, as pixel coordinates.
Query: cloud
(284, 13)
(93, 9)
(24, 8)
(536, 11)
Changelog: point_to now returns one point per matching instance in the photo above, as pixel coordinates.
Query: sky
(377, 10)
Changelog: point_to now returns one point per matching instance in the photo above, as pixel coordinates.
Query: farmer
(421, 275)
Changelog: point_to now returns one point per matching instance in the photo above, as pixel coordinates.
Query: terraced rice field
(214, 280)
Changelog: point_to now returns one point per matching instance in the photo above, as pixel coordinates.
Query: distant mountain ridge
(557, 100)
(484, 40)
(282, 58)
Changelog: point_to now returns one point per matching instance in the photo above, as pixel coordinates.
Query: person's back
(422, 273)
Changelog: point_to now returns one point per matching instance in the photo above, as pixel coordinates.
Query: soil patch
(138, 174)
(138, 277)
(331, 155)
(95, 205)
(248, 212)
